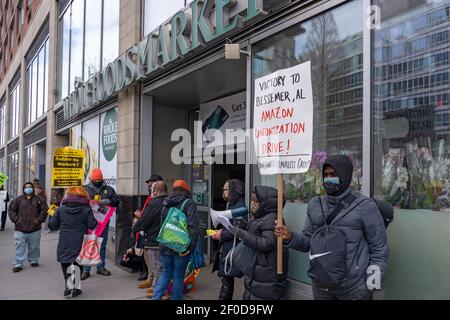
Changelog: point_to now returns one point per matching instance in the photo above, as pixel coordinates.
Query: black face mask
(98, 184)
(332, 189)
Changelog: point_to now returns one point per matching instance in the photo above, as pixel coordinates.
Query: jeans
(101, 266)
(28, 245)
(361, 292)
(173, 267)
(156, 265)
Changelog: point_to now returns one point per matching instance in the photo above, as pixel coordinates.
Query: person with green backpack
(177, 239)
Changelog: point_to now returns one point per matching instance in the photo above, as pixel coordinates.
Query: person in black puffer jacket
(265, 283)
(74, 218)
(234, 193)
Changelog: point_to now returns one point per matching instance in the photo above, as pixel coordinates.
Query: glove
(232, 229)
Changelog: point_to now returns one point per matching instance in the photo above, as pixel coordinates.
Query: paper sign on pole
(3, 196)
(283, 121)
(68, 168)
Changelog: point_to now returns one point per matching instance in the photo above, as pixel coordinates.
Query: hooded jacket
(176, 200)
(265, 283)
(361, 223)
(28, 214)
(73, 219)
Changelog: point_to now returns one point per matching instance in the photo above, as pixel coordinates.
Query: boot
(104, 272)
(149, 293)
(226, 292)
(145, 284)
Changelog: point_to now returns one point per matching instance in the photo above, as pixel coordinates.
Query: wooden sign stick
(280, 223)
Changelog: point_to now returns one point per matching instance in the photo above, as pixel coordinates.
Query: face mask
(332, 186)
(28, 191)
(98, 184)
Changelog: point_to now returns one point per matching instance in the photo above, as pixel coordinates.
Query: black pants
(359, 293)
(227, 290)
(4, 215)
(65, 266)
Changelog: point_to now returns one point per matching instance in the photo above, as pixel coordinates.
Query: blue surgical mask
(28, 191)
(335, 180)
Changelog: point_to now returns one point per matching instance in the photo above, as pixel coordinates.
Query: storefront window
(37, 74)
(88, 42)
(156, 12)
(412, 144)
(2, 125)
(30, 163)
(15, 103)
(13, 173)
(333, 43)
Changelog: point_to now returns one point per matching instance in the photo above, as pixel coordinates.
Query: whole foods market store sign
(200, 23)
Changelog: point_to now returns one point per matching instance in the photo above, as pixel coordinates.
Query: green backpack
(174, 232)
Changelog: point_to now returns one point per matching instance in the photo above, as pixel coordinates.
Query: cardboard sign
(68, 168)
(283, 121)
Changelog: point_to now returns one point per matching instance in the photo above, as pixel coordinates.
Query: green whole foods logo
(109, 135)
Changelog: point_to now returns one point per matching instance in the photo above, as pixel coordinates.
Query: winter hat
(96, 175)
(182, 184)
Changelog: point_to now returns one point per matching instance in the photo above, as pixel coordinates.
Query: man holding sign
(105, 196)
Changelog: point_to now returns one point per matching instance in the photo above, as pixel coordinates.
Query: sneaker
(35, 265)
(67, 292)
(17, 269)
(145, 284)
(76, 293)
(104, 272)
(85, 275)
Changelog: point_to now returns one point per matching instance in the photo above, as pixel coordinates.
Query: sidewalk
(47, 283)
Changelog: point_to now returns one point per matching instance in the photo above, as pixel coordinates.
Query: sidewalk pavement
(47, 282)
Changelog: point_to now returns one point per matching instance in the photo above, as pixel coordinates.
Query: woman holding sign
(73, 219)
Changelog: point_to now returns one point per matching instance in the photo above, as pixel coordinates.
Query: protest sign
(103, 215)
(68, 168)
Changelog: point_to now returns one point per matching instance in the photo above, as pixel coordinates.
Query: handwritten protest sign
(283, 121)
(102, 214)
(68, 168)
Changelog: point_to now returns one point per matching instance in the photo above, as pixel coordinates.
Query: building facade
(117, 78)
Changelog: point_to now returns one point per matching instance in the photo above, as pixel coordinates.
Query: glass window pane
(93, 37)
(411, 147)
(331, 41)
(156, 12)
(40, 88)
(65, 53)
(35, 93)
(46, 77)
(110, 31)
(76, 43)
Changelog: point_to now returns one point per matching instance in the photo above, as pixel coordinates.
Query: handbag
(244, 258)
(197, 259)
(90, 251)
(174, 232)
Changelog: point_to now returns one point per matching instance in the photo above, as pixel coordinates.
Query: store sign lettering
(202, 22)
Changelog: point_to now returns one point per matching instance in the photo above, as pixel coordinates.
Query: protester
(147, 277)
(27, 212)
(150, 223)
(362, 241)
(264, 283)
(234, 194)
(4, 212)
(174, 264)
(106, 196)
(74, 218)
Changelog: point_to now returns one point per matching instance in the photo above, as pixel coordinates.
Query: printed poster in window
(89, 142)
